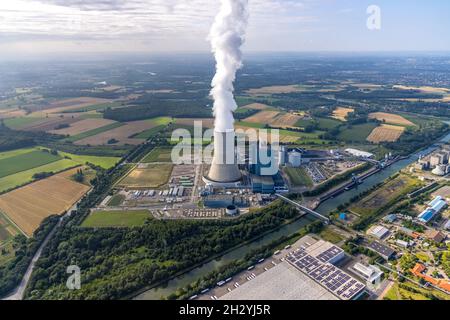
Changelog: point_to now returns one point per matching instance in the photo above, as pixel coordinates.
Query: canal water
(324, 208)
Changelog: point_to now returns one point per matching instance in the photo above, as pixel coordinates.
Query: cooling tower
(224, 169)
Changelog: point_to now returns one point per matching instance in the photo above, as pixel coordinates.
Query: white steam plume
(227, 36)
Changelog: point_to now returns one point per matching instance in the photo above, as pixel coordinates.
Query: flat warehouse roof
(282, 282)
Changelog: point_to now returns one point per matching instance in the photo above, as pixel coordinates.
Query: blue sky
(33, 27)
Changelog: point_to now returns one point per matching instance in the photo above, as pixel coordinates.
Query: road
(19, 292)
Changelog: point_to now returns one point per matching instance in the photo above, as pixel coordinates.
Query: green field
(26, 176)
(26, 161)
(154, 176)
(357, 133)
(158, 155)
(94, 132)
(329, 235)
(95, 107)
(304, 122)
(116, 200)
(298, 177)
(327, 123)
(150, 132)
(18, 123)
(104, 162)
(13, 153)
(250, 124)
(105, 219)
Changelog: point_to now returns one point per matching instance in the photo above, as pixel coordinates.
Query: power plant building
(295, 159)
(262, 184)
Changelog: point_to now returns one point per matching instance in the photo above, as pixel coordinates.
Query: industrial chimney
(224, 170)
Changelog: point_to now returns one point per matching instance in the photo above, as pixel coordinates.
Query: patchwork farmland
(83, 126)
(18, 167)
(29, 205)
(120, 135)
(75, 103)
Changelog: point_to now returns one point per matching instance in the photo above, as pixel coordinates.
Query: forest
(117, 262)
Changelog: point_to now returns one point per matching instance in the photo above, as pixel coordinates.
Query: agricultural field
(94, 132)
(357, 133)
(206, 122)
(12, 113)
(285, 120)
(20, 123)
(445, 92)
(327, 123)
(21, 162)
(29, 205)
(108, 219)
(147, 176)
(341, 113)
(120, 135)
(19, 166)
(35, 124)
(298, 177)
(158, 154)
(255, 106)
(263, 117)
(95, 107)
(74, 104)
(385, 133)
(82, 126)
(104, 162)
(265, 91)
(385, 195)
(23, 177)
(391, 118)
(147, 134)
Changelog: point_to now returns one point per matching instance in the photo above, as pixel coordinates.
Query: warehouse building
(378, 232)
(434, 208)
(384, 251)
(371, 274)
(307, 273)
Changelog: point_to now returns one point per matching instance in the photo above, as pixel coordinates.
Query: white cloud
(167, 22)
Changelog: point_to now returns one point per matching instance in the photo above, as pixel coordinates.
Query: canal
(238, 253)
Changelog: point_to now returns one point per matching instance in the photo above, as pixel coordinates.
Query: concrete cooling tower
(224, 171)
